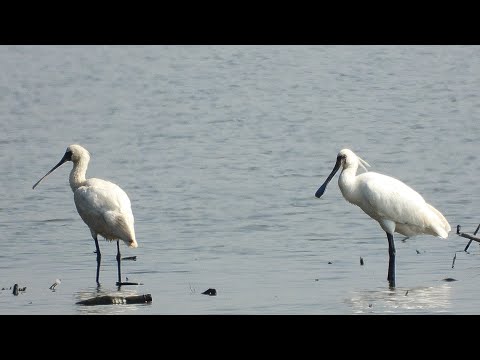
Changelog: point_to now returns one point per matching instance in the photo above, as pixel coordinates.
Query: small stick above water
(478, 227)
(469, 236)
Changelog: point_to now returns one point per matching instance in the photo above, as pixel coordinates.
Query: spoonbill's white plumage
(396, 206)
(102, 205)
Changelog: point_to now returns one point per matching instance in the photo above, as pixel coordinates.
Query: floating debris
(17, 289)
(55, 284)
(210, 291)
(453, 262)
(134, 258)
(450, 279)
(361, 261)
(406, 293)
(418, 252)
(329, 262)
(117, 300)
(127, 283)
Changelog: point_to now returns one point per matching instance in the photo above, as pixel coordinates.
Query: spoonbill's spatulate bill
(396, 206)
(102, 205)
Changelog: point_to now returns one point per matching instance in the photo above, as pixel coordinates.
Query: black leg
(119, 283)
(391, 261)
(99, 258)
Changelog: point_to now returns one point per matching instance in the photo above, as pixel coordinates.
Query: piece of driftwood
(469, 236)
(115, 300)
(127, 283)
(134, 258)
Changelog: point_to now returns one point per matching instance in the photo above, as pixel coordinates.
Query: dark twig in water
(475, 232)
(453, 262)
(468, 236)
(361, 261)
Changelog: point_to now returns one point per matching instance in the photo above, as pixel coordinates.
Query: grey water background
(221, 149)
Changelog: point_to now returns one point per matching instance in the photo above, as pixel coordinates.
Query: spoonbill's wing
(385, 197)
(106, 209)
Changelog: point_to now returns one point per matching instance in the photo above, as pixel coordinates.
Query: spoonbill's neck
(77, 175)
(346, 179)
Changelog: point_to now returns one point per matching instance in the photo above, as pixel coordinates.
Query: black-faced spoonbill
(102, 205)
(396, 206)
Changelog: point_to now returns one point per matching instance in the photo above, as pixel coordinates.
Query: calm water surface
(221, 149)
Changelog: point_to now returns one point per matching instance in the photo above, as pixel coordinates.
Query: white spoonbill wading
(102, 205)
(396, 206)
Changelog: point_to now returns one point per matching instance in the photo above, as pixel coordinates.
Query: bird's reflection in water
(97, 291)
(433, 299)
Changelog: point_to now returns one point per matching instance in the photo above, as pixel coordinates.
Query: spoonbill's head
(73, 153)
(346, 158)
(77, 153)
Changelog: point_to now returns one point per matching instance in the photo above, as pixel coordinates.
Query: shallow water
(221, 149)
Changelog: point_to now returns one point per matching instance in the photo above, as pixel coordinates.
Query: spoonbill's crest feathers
(363, 164)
